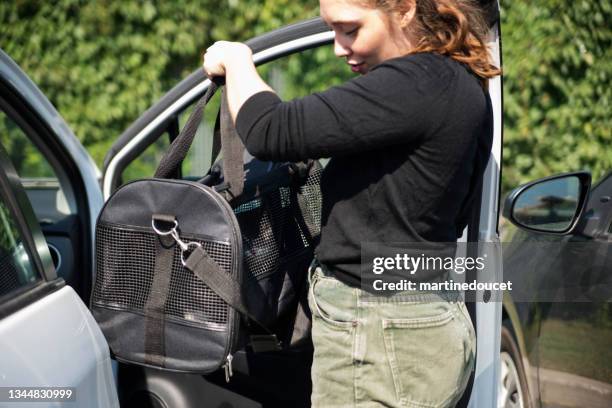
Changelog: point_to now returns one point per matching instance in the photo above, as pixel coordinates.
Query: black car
(557, 322)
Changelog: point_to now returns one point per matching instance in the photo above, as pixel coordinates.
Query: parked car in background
(557, 323)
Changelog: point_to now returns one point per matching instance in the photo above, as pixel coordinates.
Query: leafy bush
(557, 65)
(105, 62)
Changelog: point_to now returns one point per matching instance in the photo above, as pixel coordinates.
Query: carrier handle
(225, 131)
(233, 151)
(178, 149)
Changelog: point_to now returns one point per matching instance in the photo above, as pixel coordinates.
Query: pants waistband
(317, 267)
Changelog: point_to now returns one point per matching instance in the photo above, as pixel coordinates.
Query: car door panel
(488, 314)
(55, 342)
(72, 187)
(48, 337)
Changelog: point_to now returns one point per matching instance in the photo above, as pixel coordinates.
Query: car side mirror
(551, 205)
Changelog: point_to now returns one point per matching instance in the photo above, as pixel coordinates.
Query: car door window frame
(15, 198)
(28, 127)
(38, 126)
(164, 120)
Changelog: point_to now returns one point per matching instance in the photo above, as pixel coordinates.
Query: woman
(409, 139)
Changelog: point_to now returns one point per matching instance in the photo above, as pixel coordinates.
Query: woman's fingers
(213, 63)
(223, 53)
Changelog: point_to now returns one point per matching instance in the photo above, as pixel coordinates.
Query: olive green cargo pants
(416, 350)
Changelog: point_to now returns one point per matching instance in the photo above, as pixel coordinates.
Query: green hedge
(557, 65)
(102, 63)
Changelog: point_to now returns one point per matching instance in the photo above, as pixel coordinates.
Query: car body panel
(565, 342)
(55, 342)
(47, 334)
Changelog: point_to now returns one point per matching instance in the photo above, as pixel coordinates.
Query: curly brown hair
(456, 28)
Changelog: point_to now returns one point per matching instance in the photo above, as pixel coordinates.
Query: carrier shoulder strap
(225, 131)
(228, 288)
(154, 339)
(233, 152)
(179, 148)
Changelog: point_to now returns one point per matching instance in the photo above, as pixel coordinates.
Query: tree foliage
(557, 69)
(102, 63)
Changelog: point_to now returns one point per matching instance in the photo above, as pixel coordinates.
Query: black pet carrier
(188, 272)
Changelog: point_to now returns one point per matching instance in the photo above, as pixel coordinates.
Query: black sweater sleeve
(395, 103)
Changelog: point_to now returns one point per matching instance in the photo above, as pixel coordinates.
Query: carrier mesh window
(8, 273)
(272, 227)
(124, 280)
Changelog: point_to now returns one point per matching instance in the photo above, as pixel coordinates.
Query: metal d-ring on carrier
(173, 232)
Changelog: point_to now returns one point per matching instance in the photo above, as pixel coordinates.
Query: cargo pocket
(428, 358)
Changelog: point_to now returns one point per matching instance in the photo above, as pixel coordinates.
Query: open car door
(284, 58)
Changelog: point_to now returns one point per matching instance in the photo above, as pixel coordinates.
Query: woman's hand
(234, 61)
(223, 54)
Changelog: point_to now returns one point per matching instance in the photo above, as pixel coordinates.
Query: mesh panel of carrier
(272, 227)
(124, 281)
(312, 193)
(8, 273)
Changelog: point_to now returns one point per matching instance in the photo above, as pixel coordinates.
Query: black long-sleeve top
(408, 142)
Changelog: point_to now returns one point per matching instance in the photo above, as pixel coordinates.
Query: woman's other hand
(222, 54)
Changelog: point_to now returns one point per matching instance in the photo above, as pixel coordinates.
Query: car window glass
(601, 200)
(146, 163)
(28, 161)
(16, 267)
(37, 175)
(306, 72)
(199, 158)
(604, 184)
